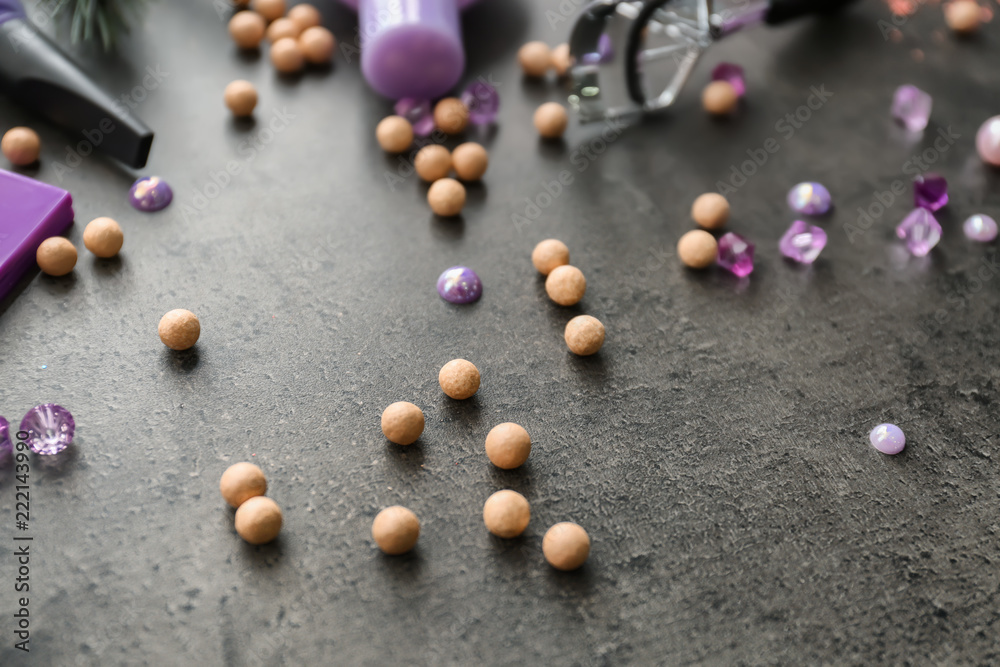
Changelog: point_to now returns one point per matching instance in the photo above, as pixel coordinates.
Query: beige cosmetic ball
(566, 285)
(508, 445)
(281, 28)
(584, 335)
(963, 16)
(247, 29)
(710, 210)
(551, 120)
(549, 254)
(179, 329)
(317, 44)
(470, 161)
(241, 482)
(450, 115)
(561, 60)
(459, 379)
(258, 520)
(286, 56)
(305, 15)
(566, 546)
(402, 423)
(535, 58)
(56, 256)
(240, 97)
(103, 237)
(395, 530)
(394, 134)
(446, 197)
(697, 249)
(719, 98)
(21, 145)
(269, 9)
(506, 513)
(433, 162)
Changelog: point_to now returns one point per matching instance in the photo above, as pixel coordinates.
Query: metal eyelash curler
(633, 57)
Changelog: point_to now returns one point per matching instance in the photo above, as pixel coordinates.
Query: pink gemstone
(912, 107)
(888, 439)
(802, 242)
(988, 141)
(930, 191)
(980, 228)
(419, 112)
(920, 230)
(732, 74)
(482, 101)
(735, 254)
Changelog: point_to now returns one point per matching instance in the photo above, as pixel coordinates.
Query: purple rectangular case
(30, 212)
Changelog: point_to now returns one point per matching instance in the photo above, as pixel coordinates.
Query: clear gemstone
(930, 191)
(735, 254)
(419, 112)
(809, 199)
(733, 74)
(887, 438)
(459, 284)
(151, 193)
(980, 228)
(911, 107)
(6, 446)
(50, 428)
(482, 101)
(802, 242)
(920, 230)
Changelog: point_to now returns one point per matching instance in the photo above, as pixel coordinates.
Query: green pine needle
(106, 20)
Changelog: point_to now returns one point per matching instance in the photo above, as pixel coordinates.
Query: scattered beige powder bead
(549, 254)
(446, 197)
(433, 162)
(470, 161)
(56, 256)
(247, 29)
(395, 530)
(317, 44)
(508, 445)
(566, 285)
(697, 249)
(305, 15)
(241, 98)
(963, 16)
(506, 513)
(179, 329)
(21, 145)
(710, 210)
(269, 9)
(394, 134)
(459, 379)
(103, 237)
(535, 58)
(719, 98)
(566, 546)
(561, 60)
(286, 56)
(450, 115)
(258, 520)
(241, 482)
(584, 335)
(281, 28)
(551, 120)
(402, 423)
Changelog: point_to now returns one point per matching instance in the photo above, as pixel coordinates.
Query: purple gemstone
(50, 428)
(802, 242)
(809, 199)
(887, 438)
(150, 194)
(482, 101)
(6, 446)
(980, 228)
(920, 230)
(911, 107)
(419, 112)
(930, 191)
(460, 284)
(735, 254)
(605, 51)
(733, 75)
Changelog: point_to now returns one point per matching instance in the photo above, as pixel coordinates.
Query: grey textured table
(716, 449)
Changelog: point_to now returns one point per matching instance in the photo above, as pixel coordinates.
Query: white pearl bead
(988, 141)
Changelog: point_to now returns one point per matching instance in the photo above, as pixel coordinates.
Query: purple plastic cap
(10, 9)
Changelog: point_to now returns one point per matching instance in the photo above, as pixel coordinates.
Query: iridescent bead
(49, 427)
(809, 199)
(980, 228)
(419, 112)
(459, 284)
(482, 101)
(733, 74)
(802, 242)
(887, 438)
(6, 446)
(988, 141)
(150, 194)
(735, 254)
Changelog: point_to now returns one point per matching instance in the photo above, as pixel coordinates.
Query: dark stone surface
(716, 449)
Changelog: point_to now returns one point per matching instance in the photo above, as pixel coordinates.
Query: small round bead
(470, 161)
(584, 335)
(535, 58)
(286, 56)
(317, 44)
(548, 255)
(697, 249)
(963, 16)
(56, 256)
(281, 28)
(241, 98)
(402, 423)
(888, 439)
(710, 210)
(566, 285)
(446, 197)
(988, 141)
(551, 120)
(394, 134)
(562, 61)
(258, 520)
(241, 482)
(305, 15)
(395, 530)
(247, 29)
(21, 145)
(179, 329)
(566, 546)
(719, 98)
(433, 162)
(459, 379)
(508, 445)
(103, 237)
(506, 513)
(270, 10)
(450, 115)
